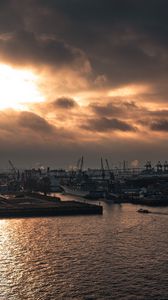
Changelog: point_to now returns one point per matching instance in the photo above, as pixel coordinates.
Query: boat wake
(158, 213)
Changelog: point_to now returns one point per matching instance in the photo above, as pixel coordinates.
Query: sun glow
(18, 88)
(131, 90)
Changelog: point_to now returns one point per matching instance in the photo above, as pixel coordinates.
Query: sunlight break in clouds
(126, 91)
(18, 87)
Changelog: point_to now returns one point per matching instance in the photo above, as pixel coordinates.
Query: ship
(144, 211)
(75, 191)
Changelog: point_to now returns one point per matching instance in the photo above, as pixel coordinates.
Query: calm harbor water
(120, 255)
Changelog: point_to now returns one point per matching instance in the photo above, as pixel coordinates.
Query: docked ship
(75, 191)
(91, 184)
(92, 190)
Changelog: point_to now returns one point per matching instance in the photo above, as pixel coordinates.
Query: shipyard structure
(147, 185)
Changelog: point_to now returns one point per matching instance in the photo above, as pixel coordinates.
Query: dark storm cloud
(125, 40)
(105, 110)
(161, 125)
(24, 124)
(64, 103)
(107, 11)
(118, 108)
(24, 47)
(31, 128)
(10, 18)
(34, 122)
(107, 124)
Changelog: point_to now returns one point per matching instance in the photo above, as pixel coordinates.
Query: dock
(36, 205)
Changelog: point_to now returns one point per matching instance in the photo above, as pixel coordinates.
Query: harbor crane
(80, 164)
(108, 168)
(102, 168)
(15, 174)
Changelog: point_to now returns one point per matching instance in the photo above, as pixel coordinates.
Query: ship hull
(73, 192)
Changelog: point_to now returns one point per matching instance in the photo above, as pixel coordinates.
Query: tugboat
(144, 211)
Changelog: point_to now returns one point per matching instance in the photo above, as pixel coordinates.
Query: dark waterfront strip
(37, 206)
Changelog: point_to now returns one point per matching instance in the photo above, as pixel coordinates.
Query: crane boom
(102, 168)
(108, 168)
(12, 166)
(81, 164)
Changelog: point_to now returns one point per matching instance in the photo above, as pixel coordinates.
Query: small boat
(144, 211)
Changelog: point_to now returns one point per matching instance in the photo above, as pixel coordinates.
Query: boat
(144, 211)
(84, 192)
(74, 191)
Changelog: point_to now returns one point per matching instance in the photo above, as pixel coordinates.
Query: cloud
(159, 113)
(29, 127)
(88, 50)
(110, 36)
(24, 47)
(124, 42)
(106, 110)
(161, 125)
(34, 122)
(64, 103)
(110, 43)
(117, 107)
(106, 124)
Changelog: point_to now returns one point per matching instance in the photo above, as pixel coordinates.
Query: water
(120, 255)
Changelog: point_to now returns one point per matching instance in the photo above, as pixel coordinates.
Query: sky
(83, 77)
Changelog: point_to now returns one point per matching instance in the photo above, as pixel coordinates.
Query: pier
(34, 205)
